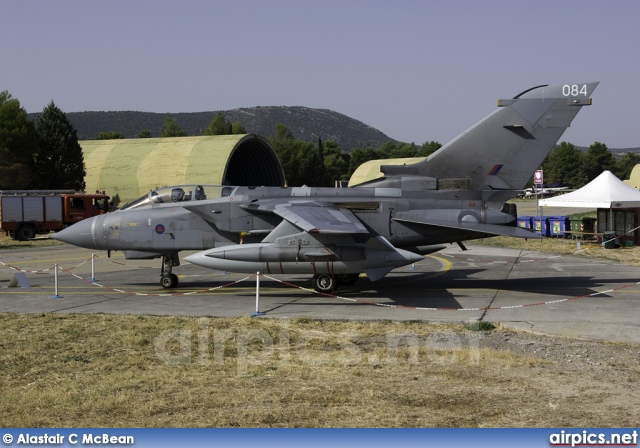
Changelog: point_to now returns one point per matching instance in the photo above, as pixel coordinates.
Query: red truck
(25, 213)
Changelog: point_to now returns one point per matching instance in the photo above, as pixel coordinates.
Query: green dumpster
(579, 226)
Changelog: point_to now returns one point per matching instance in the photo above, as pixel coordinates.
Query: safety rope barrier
(40, 271)
(190, 293)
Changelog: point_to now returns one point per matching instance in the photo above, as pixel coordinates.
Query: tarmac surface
(539, 292)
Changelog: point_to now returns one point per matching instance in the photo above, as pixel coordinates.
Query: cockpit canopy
(179, 193)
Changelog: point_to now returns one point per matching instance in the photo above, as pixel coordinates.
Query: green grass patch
(480, 325)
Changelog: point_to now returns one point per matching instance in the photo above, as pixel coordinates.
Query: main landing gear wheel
(348, 279)
(169, 281)
(324, 283)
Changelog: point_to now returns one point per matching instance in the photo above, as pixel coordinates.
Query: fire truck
(26, 213)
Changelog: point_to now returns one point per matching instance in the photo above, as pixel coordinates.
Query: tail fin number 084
(574, 90)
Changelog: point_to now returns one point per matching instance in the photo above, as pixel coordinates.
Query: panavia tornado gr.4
(456, 194)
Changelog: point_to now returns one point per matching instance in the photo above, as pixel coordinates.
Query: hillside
(305, 124)
(618, 152)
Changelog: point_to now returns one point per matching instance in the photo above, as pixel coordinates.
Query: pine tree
(565, 164)
(237, 128)
(170, 128)
(625, 165)
(598, 159)
(218, 126)
(58, 162)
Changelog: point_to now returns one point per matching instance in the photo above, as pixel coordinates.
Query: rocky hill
(305, 124)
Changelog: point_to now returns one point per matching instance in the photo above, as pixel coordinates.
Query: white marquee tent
(605, 191)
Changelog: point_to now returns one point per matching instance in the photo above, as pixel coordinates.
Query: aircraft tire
(169, 281)
(324, 283)
(348, 279)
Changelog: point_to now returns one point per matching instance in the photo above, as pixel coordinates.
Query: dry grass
(6, 242)
(145, 371)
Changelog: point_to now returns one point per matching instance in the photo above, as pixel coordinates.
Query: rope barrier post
(257, 313)
(55, 279)
(93, 268)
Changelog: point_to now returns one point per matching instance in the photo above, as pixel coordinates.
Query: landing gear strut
(167, 279)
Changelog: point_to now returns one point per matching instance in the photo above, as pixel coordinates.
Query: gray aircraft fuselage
(167, 227)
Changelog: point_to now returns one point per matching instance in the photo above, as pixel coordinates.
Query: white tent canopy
(605, 191)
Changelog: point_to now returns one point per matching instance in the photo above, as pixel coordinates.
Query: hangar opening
(254, 163)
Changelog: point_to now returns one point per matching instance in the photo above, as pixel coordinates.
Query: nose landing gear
(169, 280)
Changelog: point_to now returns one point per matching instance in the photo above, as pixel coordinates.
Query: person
(200, 193)
(177, 195)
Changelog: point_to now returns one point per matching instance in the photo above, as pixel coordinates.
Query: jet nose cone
(79, 234)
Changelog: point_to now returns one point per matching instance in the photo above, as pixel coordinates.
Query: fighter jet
(456, 194)
(542, 192)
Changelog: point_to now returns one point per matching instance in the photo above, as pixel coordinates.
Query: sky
(417, 70)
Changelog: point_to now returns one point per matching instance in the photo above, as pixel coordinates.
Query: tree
(625, 165)
(145, 133)
(218, 126)
(110, 136)
(17, 144)
(221, 126)
(336, 163)
(428, 148)
(564, 164)
(170, 128)
(289, 155)
(237, 128)
(300, 159)
(283, 134)
(597, 159)
(58, 163)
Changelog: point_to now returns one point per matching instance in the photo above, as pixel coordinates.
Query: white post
(258, 313)
(93, 268)
(55, 280)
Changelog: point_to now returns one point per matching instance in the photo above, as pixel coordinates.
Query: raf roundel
(159, 229)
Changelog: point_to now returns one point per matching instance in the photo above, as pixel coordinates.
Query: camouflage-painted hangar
(128, 168)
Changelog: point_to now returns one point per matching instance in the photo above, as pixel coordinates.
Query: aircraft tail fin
(502, 151)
